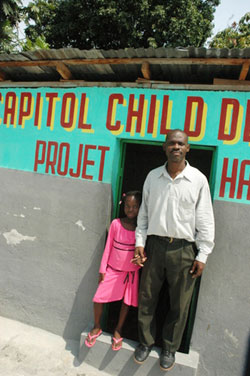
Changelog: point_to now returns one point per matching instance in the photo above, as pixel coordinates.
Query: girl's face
(131, 207)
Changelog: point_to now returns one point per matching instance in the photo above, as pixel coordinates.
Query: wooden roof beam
(144, 81)
(64, 71)
(110, 61)
(145, 68)
(222, 81)
(244, 71)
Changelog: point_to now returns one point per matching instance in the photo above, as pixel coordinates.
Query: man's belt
(169, 239)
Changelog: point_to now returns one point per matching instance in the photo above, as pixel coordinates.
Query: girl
(118, 276)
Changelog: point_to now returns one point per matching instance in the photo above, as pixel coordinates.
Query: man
(175, 213)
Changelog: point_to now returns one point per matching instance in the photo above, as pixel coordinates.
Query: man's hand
(139, 256)
(197, 269)
(101, 277)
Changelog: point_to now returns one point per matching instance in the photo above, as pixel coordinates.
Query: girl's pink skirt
(118, 285)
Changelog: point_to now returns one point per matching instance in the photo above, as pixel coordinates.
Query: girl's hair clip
(123, 196)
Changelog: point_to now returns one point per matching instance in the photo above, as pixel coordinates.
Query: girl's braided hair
(136, 194)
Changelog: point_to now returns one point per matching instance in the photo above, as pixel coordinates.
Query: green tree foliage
(9, 16)
(39, 18)
(38, 44)
(117, 24)
(235, 36)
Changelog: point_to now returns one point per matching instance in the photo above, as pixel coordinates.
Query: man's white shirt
(179, 208)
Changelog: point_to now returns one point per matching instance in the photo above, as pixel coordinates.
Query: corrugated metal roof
(176, 65)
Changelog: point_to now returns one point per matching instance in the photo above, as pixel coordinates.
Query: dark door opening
(139, 159)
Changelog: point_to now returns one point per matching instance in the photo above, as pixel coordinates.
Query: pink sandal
(116, 341)
(91, 339)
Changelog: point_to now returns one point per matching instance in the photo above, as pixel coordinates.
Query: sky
(229, 11)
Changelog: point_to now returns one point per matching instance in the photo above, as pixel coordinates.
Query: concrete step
(121, 363)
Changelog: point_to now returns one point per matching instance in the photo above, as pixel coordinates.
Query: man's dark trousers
(171, 260)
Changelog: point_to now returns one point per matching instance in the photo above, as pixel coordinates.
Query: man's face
(176, 146)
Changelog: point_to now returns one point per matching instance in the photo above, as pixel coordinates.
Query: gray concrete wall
(52, 233)
(222, 325)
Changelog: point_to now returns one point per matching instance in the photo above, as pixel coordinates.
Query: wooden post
(64, 71)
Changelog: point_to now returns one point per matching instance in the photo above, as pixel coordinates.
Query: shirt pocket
(186, 210)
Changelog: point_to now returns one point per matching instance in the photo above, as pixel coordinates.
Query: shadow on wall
(82, 310)
(247, 361)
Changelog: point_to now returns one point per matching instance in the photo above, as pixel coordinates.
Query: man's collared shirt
(179, 208)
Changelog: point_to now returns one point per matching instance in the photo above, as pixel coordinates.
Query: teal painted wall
(76, 132)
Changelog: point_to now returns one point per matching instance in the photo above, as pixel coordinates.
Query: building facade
(66, 156)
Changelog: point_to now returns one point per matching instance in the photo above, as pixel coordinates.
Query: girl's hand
(101, 277)
(139, 256)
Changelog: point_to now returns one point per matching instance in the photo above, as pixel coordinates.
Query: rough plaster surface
(52, 233)
(13, 237)
(222, 326)
(30, 351)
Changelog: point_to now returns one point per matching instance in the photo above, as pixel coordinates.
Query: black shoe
(141, 353)
(167, 360)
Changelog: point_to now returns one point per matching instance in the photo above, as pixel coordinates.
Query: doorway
(136, 162)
